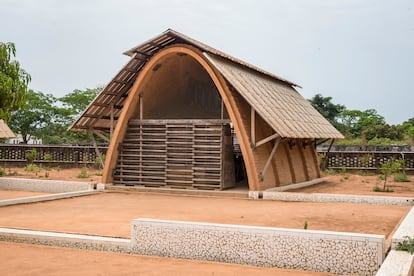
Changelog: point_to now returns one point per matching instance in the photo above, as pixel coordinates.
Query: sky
(360, 53)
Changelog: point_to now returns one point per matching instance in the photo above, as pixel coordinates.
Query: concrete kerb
(46, 186)
(66, 240)
(60, 189)
(399, 263)
(33, 199)
(343, 198)
(405, 229)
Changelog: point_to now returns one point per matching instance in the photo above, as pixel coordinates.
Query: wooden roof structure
(5, 131)
(273, 98)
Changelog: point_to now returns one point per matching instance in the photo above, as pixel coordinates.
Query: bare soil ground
(56, 173)
(110, 214)
(360, 185)
(26, 259)
(10, 194)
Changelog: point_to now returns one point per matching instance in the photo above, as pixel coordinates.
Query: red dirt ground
(26, 259)
(53, 173)
(10, 194)
(360, 185)
(110, 214)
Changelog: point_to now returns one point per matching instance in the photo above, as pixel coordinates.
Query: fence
(365, 160)
(338, 158)
(50, 154)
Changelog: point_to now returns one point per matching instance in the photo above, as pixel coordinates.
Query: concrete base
(66, 240)
(33, 199)
(234, 193)
(297, 185)
(397, 263)
(45, 186)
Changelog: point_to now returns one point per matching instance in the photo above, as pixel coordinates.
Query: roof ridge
(202, 46)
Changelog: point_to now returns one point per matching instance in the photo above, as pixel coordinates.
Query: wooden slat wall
(185, 154)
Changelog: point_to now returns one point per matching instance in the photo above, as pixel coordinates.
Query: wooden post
(290, 162)
(267, 139)
(263, 172)
(252, 127)
(325, 161)
(141, 106)
(222, 109)
(98, 153)
(112, 121)
(303, 159)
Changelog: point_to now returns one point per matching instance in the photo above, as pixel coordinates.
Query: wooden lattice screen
(176, 153)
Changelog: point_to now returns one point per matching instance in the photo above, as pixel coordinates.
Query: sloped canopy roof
(272, 97)
(5, 131)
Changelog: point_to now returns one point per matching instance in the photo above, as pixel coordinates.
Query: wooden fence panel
(50, 153)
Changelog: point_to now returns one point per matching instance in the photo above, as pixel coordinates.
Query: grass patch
(329, 172)
(401, 177)
(379, 189)
(83, 173)
(32, 168)
(406, 245)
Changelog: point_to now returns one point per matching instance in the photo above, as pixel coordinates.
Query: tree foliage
(78, 100)
(363, 126)
(13, 81)
(327, 108)
(49, 118)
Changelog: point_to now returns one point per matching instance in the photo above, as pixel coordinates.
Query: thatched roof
(273, 98)
(5, 131)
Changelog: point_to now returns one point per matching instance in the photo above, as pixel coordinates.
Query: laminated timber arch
(231, 104)
(276, 127)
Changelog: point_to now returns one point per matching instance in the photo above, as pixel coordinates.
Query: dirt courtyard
(27, 259)
(110, 214)
(360, 185)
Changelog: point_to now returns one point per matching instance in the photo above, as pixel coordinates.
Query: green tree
(45, 117)
(327, 108)
(356, 121)
(408, 129)
(78, 100)
(35, 117)
(13, 81)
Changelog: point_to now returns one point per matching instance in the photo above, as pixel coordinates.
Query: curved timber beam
(131, 102)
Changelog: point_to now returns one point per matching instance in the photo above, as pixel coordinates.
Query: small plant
(46, 174)
(83, 173)
(329, 172)
(379, 189)
(401, 177)
(1, 171)
(12, 173)
(98, 173)
(406, 245)
(97, 161)
(305, 225)
(31, 155)
(365, 161)
(344, 173)
(32, 168)
(389, 167)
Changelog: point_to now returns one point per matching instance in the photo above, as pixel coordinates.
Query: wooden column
(272, 153)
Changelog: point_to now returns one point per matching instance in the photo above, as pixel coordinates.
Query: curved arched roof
(272, 97)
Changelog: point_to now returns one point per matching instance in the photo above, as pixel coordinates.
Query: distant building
(18, 139)
(5, 131)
